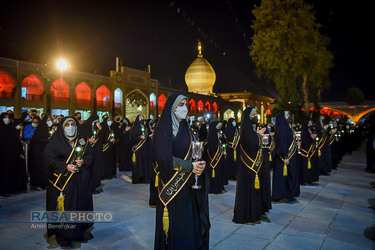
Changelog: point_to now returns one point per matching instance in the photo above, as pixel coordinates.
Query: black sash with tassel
(253, 165)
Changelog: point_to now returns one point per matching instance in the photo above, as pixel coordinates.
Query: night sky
(164, 34)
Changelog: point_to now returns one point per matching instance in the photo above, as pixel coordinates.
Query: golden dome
(200, 77)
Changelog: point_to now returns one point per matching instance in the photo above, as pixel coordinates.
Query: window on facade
(6, 85)
(83, 94)
(102, 96)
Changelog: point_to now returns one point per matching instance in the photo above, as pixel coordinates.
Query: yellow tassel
(309, 164)
(156, 180)
(166, 222)
(256, 182)
(285, 170)
(270, 157)
(134, 158)
(60, 202)
(319, 153)
(235, 155)
(213, 173)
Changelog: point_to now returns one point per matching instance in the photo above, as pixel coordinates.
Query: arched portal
(103, 96)
(214, 108)
(83, 94)
(118, 98)
(152, 101)
(200, 106)
(60, 91)
(161, 102)
(192, 107)
(136, 104)
(32, 88)
(6, 85)
(228, 114)
(207, 107)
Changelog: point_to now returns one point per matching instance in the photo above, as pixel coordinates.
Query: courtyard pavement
(332, 215)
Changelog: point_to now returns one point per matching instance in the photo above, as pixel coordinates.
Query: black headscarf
(212, 139)
(86, 128)
(164, 146)
(41, 132)
(230, 130)
(283, 134)
(249, 139)
(136, 131)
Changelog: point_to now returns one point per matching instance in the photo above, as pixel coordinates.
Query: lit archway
(136, 104)
(32, 88)
(152, 101)
(118, 98)
(83, 94)
(60, 91)
(161, 102)
(207, 107)
(214, 108)
(102, 96)
(200, 106)
(228, 114)
(6, 85)
(192, 107)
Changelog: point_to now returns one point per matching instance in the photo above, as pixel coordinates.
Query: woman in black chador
(285, 185)
(125, 156)
(232, 137)
(37, 170)
(248, 203)
(309, 168)
(139, 133)
(67, 159)
(182, 218)
(324, 149)
(92, 129)
(109, 149)
(13, 176)
(215, 158)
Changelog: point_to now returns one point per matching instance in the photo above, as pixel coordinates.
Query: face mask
(254, 119)
(70, 130)
(109, 123)
(28, 119)
(18, 127)
(289, 119)
(181, 112)
(6, 121)
(34, 125)
(56, 121)
(49, 123)
(234, 124)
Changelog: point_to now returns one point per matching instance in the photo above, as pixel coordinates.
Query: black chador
(109, 150)
(248, 202)
(324, 149)
(92, 129)
(37, 170)
(232, 136)
(265, 173)
(182, 216)
(125, 153)
(153, 180)
(139, 133)
(68, 186)
(13, 176)
(215, 158)
(285, 185)
(309, 168)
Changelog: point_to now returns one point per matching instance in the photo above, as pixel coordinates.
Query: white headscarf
(175, 120)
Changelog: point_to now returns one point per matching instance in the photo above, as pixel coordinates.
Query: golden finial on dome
(199, 49)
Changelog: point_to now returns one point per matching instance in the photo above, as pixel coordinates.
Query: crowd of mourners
(268, 162)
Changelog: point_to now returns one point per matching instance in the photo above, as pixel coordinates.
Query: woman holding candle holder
(182, 216)
(141, 171)
(248, 206)
(67, 159)
(216, 151)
